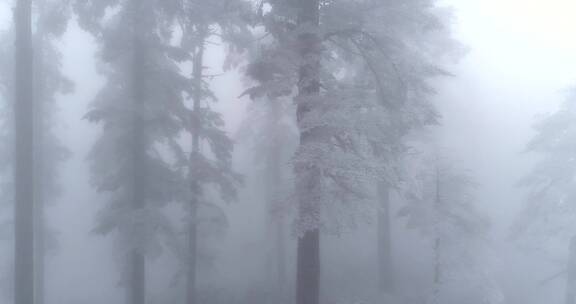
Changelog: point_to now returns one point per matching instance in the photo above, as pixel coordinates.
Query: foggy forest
(287, 152)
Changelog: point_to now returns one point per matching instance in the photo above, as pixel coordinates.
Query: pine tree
(140, 110)
(441, 206)
(362, 78)
(395, 66)
(333, 165)
(308, 256)
(201, 21)
(50, 24)
(548, 215)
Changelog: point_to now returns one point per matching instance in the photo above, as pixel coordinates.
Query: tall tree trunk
(137, 260)
(39, 251)
(281, 260)
(24, 154)
(192, 263)
(39, 221)
(437, 268)
(437, 240)
(308, 272)
(191, 295)
(571, 274)
(308, 253)
(40, 174)
(385, 265)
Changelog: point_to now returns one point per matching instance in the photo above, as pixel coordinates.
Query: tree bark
(24, 155)
(385, 269)
(308, 252)
(192, 263)
(308, 272)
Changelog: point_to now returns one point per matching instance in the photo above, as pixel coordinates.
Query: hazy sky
(522, 55)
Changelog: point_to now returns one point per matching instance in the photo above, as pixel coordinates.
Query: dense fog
(287, 151)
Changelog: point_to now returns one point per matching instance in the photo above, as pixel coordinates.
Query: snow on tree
(375, 81)
(395, 59)
(351, 119)
(547, 219)
(440, 204)
(549, 212)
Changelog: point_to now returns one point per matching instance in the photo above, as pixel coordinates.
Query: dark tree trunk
(24, 155)
(308, 272)
(385, 265)
(192, 263)
(137, 260)
(281, 260)
(308, 255)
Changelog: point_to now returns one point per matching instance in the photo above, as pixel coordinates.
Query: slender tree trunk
(39, 225)
(137, 260)
(40, 253)
(40, 174)
(191, 270)
(437, 241)
(24, 154)
(191, 273)
(385, 265)
(437, 268)
(281, 260)
(571, 274)
(308, 254)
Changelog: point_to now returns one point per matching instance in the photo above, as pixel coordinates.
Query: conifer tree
(210, 156)
(441, 205)
(548, 215)
(50, 22)
(140, 110)
(360, 80)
